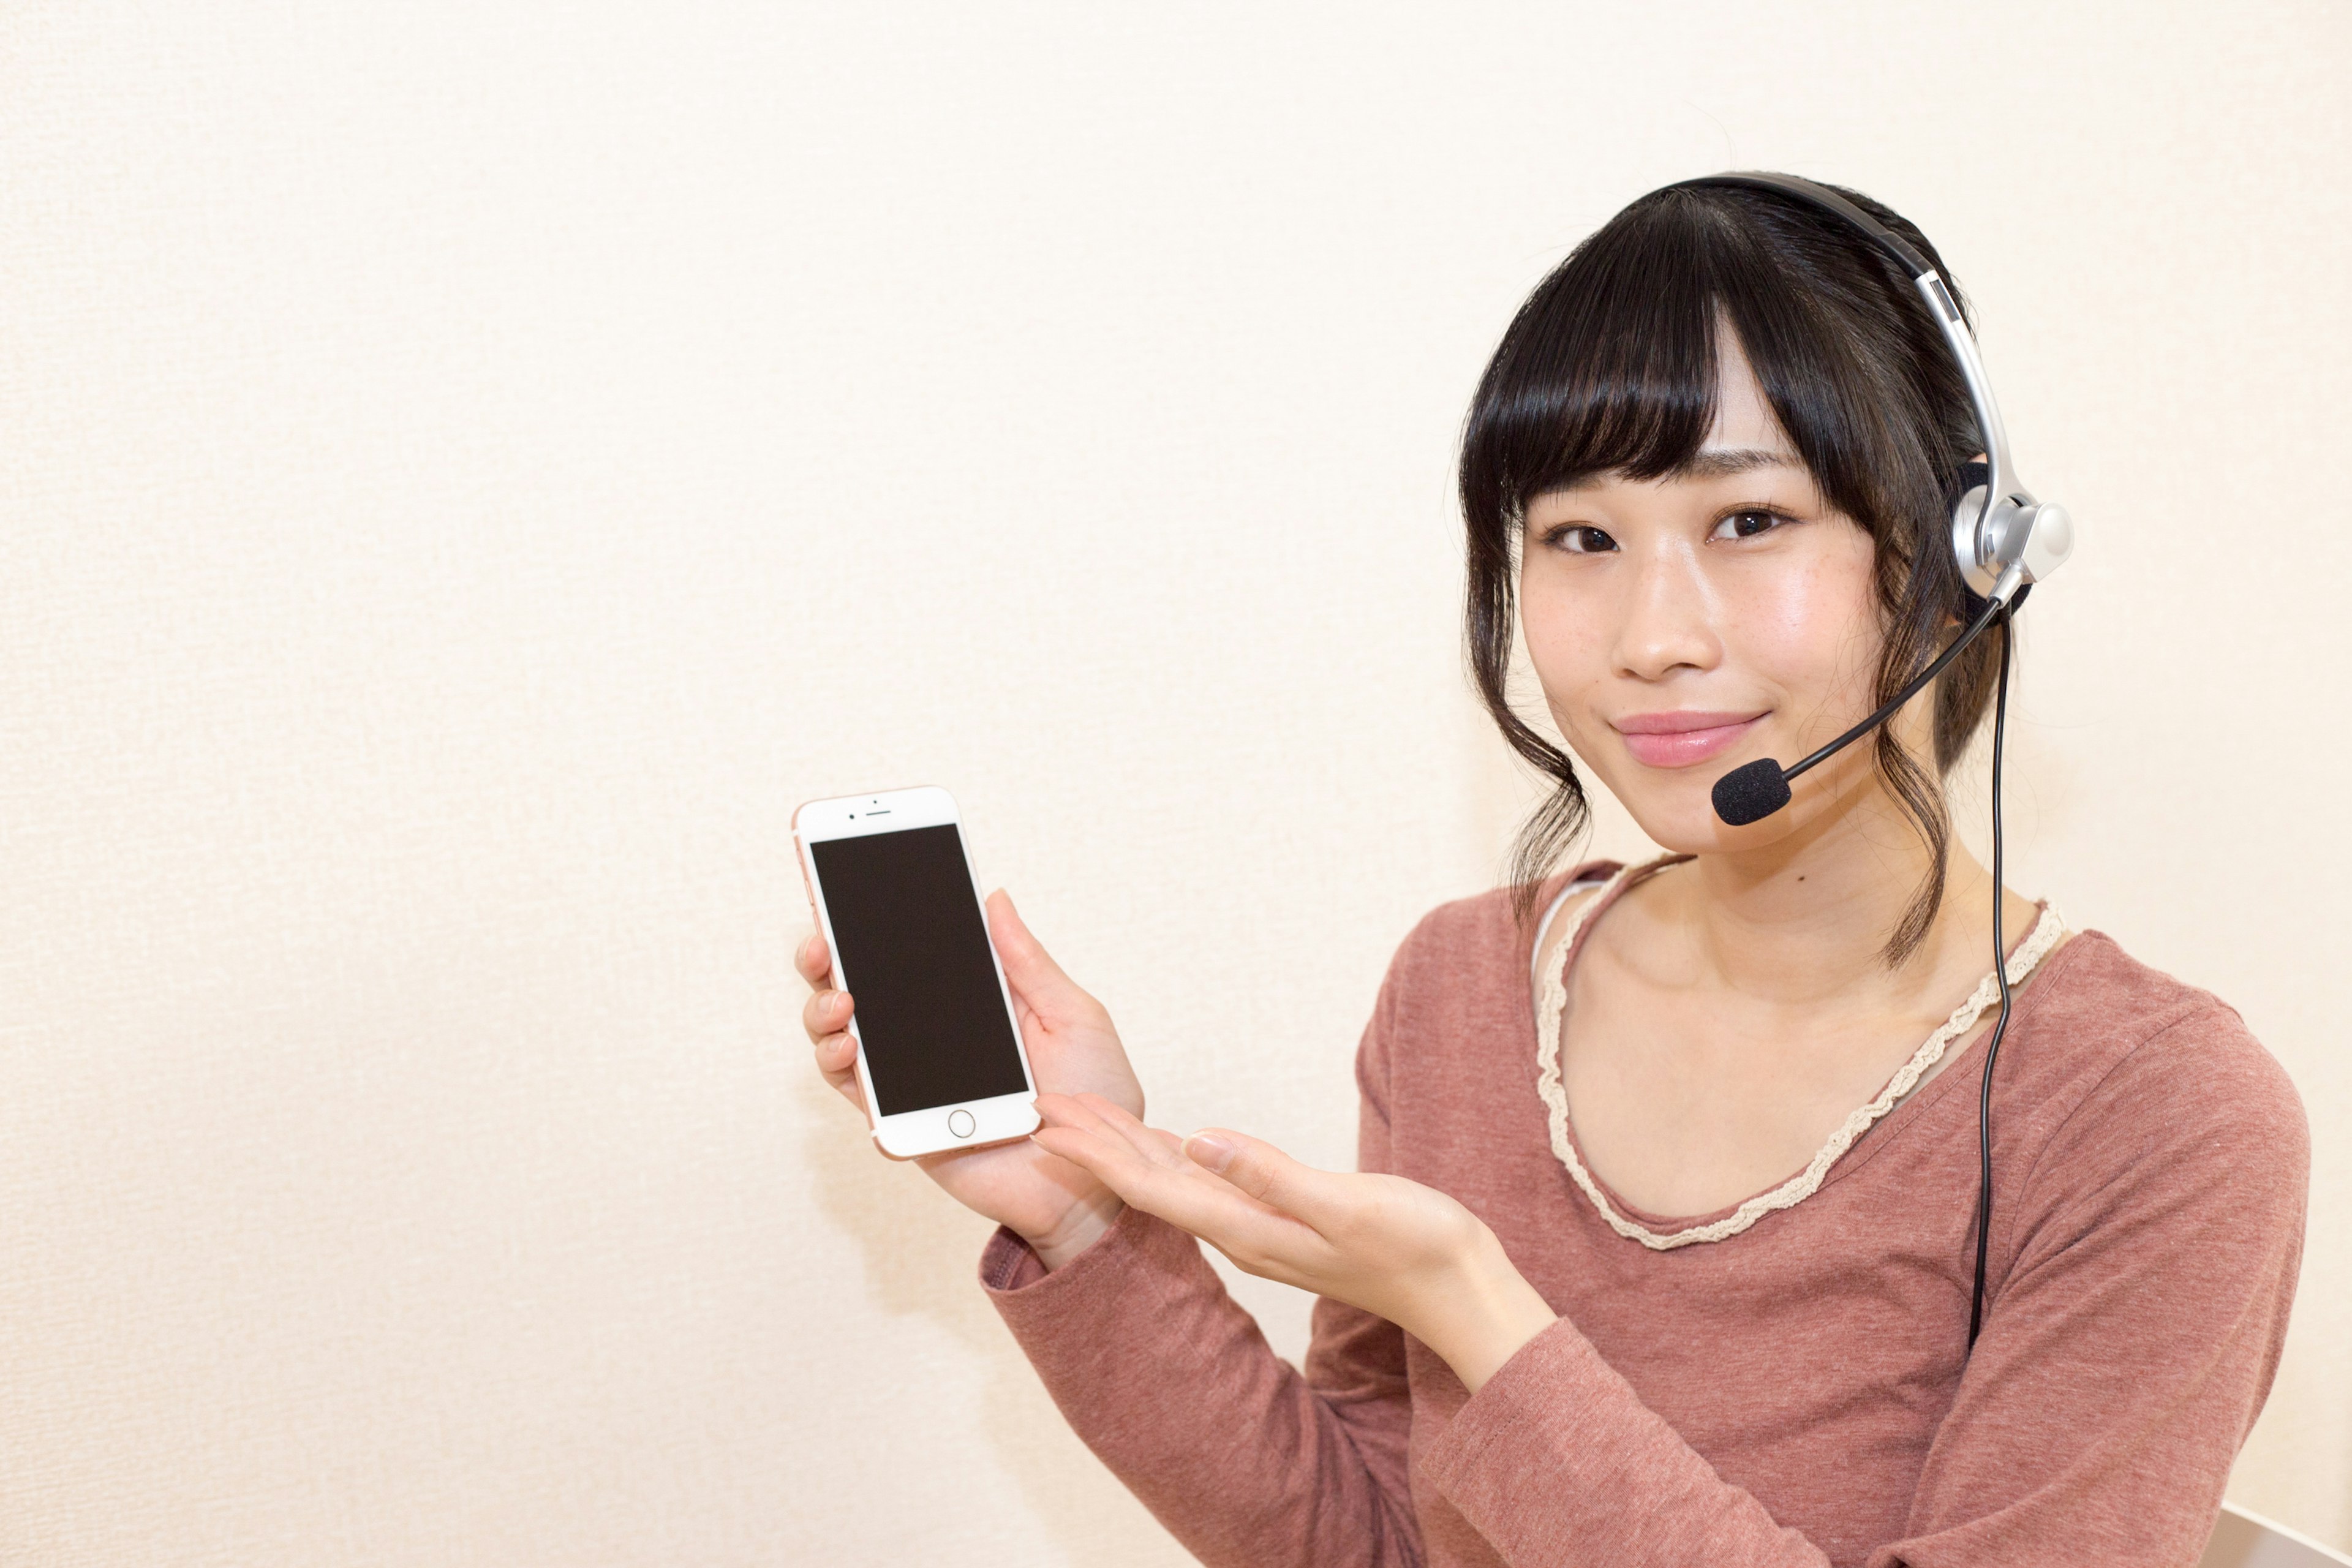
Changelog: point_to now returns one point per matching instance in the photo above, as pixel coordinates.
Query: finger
(836, 1057)
(826, 1012)
(836, 1053)
(1254, 1236)
(1269, 1175)
(1108, 1118)
(1115, 1123)
(1086, 1145)
(815, 964)
(1161, 1148)
(1126, 1171)
(1073, 1112)
(1028, 967)
(1067, 1110)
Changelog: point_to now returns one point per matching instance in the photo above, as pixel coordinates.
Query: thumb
(1030, 969)
(1262, 1170)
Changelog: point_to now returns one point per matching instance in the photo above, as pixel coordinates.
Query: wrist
(1080, 1227)
(1483, 1313)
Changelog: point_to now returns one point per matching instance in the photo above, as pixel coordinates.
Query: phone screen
(915, 953)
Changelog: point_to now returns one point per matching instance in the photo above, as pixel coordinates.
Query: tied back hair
(1611, 367)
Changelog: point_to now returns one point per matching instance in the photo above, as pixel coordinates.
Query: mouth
(1678, 740)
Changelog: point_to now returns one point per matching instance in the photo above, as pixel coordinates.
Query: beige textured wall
(470, 469)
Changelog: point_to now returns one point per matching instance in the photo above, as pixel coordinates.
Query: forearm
(1172, 1384)
(1557, 1456)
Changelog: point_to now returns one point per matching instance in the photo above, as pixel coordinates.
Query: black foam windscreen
(1751, 792)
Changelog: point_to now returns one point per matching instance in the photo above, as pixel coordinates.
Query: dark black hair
(1611, 367)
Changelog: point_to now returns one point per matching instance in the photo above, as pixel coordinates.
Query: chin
(1680, 817)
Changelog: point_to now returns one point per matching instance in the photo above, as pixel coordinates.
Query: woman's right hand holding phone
(1058, 1207)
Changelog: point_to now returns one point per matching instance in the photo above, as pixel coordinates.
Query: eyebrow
(1712, 463)
(1718, 463)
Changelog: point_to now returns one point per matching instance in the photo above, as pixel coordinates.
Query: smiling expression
(1683, 626)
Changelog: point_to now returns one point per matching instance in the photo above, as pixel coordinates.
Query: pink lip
(1677, 740)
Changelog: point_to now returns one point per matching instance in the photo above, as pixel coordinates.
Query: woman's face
(1684, 626)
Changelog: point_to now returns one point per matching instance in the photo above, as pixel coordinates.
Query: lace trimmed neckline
(1551, 1002)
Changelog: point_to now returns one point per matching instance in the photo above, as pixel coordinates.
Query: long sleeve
(1244, 1459)
(2125, 1356)
(2151, 1245)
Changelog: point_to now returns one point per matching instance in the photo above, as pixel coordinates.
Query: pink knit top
(1797, 1393)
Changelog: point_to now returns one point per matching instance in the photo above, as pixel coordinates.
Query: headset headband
(1977, 541)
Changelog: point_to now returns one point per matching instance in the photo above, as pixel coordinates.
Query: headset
(2003, 542)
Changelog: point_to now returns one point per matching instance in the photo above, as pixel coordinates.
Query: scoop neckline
(1876, 1137)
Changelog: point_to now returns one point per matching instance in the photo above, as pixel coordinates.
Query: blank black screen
(914, 954)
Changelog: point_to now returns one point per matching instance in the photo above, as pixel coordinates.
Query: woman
(1575, 1306)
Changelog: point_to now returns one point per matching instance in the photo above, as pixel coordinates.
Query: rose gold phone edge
(1000, 1118)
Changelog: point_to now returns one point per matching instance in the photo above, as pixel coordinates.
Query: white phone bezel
(998, 1119)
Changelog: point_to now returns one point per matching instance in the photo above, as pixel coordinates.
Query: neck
(1805, 920)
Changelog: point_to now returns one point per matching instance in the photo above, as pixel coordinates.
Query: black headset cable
(2000, 1025)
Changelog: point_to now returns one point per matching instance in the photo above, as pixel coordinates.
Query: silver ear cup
(2048, 540)
(1968, 540)
(2018, 530)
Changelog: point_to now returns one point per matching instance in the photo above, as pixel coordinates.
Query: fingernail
(1208, 1149)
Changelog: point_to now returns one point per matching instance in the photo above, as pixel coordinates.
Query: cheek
(1810, 627)
(1567, 640)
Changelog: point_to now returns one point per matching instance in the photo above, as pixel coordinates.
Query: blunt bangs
(1612, 364)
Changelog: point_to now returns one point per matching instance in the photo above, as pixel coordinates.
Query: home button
(960, 1123)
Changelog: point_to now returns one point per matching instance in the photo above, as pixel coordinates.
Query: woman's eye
(1748, 524)
(1581, 539)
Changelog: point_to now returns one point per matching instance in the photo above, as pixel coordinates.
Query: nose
(1668, 616)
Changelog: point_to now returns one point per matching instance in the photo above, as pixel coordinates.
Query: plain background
(471, 469)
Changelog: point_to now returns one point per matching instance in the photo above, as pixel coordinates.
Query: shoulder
(2125, 1029)
(2131, 1068)
(1467, 934)
(1462, 972)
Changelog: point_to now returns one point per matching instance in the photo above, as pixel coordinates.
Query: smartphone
(939, 1055)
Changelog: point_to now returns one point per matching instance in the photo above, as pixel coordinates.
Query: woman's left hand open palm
(1392, 1247)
